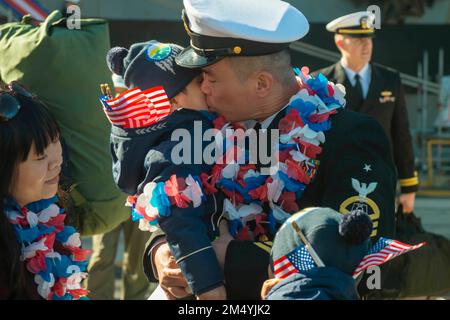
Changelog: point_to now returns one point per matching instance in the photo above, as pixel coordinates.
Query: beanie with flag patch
(151, 64)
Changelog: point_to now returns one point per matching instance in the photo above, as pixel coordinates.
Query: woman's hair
(33, 124)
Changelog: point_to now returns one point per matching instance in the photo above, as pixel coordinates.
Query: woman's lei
(51, 251)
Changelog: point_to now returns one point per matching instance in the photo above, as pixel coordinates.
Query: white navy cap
(358, 24)
(221, 28)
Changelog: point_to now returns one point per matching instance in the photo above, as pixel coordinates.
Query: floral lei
(50, 250)
(247, 190)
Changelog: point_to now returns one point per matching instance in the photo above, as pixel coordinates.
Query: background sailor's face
(226, 94)
(357, 48)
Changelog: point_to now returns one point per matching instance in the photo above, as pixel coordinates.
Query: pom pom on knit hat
(355, 227)
(114, 60)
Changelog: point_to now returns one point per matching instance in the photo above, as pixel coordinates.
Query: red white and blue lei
(247, 190)
(51, 251)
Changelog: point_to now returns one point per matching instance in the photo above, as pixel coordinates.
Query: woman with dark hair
(40, 257)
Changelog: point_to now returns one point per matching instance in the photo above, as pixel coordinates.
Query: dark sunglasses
(9, 105)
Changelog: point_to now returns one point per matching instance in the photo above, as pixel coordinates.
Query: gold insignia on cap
(386, 93)
(237, 50)
(364, 22)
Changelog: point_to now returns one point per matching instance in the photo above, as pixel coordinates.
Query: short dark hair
(278, 64)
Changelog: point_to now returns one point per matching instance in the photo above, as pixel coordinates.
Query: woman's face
(37, 177)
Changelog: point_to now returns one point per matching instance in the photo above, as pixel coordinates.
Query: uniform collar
(364, 73)
(266, 122)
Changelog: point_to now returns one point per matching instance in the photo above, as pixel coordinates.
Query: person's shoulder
(387, 73)
(347, 123)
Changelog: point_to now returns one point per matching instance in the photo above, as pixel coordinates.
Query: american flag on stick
(135, 108)
(297, 260)
(382, 251)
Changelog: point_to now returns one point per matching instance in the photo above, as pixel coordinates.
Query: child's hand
(218, 293)
(220, 245)
(267, 286)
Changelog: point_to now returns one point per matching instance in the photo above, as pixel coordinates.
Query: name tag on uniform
(386, 96)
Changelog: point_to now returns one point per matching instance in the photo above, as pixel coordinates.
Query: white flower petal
(74, 240)
(148, 189)
(230, 171)
(49, 213)
(32, 219)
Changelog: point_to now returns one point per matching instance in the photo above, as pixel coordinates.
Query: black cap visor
(188, 58)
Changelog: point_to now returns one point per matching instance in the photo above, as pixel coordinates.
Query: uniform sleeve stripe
(262, 246)
(409, 182)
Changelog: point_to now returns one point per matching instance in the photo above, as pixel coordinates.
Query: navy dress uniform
(350, 164)
(376, 91)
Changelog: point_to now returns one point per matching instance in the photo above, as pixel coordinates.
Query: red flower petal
(308, 149)
(243, 235)
(79, 254)
(37, 263)
(131, 200)
(296, 172)
(284, 155)
(216, 173)
(209, 188)
(288, 203)
(235, 198)
(330, 90)
(219, 122)
(316, 118)
(60, 287)
(291, 121)
(50, 240)
(259, 193)
(78, 293)
(171, 186)
(57, 222)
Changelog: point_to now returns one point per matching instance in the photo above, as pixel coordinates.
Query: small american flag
(382, 251)
(158, 97)
(24, 7)
(135, 108)
(297, 260)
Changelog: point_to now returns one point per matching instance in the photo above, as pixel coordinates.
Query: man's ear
(264, 84)
(339, 41)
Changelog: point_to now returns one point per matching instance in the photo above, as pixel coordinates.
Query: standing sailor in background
(376, 91)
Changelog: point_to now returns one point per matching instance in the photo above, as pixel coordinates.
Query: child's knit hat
(151, 64)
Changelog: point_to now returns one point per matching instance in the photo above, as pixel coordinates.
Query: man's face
(358, 49)
(226, 94)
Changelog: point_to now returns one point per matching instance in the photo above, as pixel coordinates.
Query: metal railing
(425, 136)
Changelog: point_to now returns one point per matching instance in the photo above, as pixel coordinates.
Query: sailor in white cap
(376, 91)
(238, 28)
(243, 50)
(358, 25)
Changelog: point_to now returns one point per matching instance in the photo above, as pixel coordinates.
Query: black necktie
(359, 98)
(257, 128)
